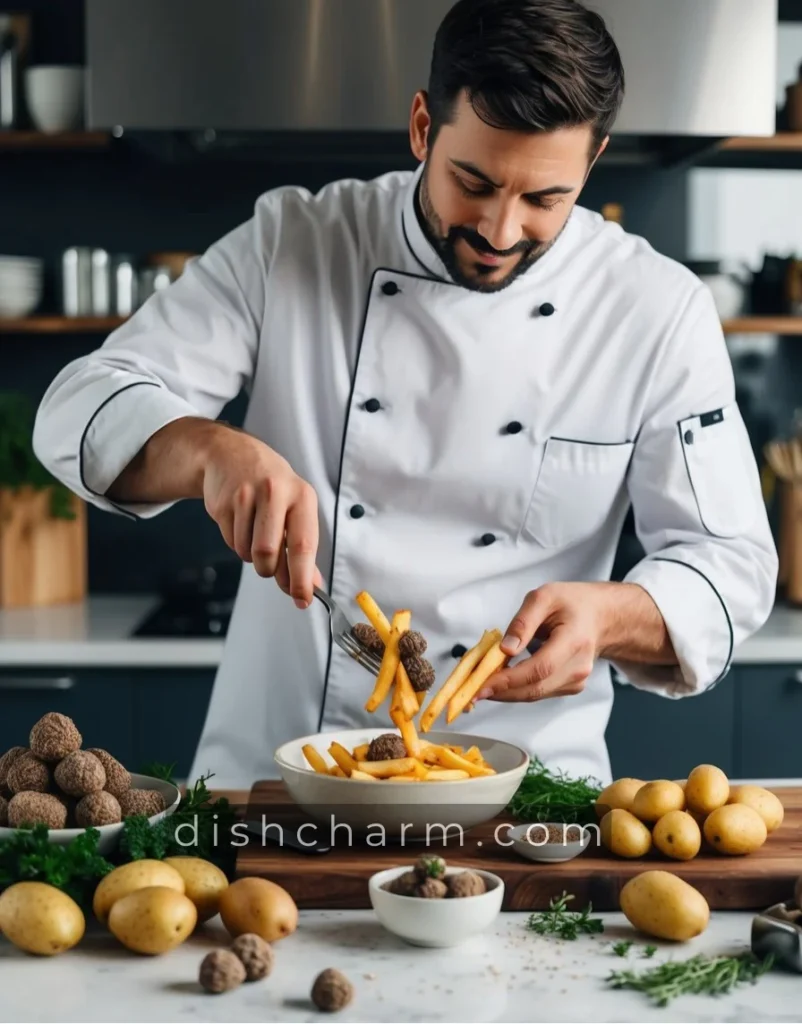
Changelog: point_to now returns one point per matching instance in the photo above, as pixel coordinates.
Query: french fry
(345, 761)
(337, 771)
(315, 760)
(445, 775)
(405, 778)
(386, 769)
(374, 615)
(458, 677)
(390, 662)
(404, 698)
(473, 754)
(448, 759)
(489, 665)
(409, 733)
(361, 752)
(363, 776)
(420, 696)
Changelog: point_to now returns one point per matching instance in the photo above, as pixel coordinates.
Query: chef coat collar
(426, 255)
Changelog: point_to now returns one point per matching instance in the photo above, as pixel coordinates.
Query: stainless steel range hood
(697, 69)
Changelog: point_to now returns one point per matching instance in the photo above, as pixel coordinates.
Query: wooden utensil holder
(790, 543)
(43, 559)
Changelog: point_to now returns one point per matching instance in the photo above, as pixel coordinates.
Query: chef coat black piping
(92, 418)
(431, 276)
(687, 565)
(597, 444)
(690, 478)
(378, 270)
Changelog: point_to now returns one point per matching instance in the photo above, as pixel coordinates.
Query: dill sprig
(566, 924)
(544, 795)
(700, 975)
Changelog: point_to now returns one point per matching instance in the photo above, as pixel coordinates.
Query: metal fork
(342, 636)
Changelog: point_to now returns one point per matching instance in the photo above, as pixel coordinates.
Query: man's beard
(445, 244)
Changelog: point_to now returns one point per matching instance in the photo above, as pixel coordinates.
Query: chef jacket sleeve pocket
(715, 446)
(577, 488)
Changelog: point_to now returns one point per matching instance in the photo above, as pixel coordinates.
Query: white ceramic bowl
(540, 850)
(55, 97)
(436, 923)
(391, 805)
(110, 834)
(20, 285)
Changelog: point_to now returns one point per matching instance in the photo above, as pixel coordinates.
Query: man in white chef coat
(459, 380)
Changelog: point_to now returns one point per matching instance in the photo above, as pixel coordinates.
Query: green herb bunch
(544, 795)
(19, 466)
(75, 869)
(700, 975)
(564, 923)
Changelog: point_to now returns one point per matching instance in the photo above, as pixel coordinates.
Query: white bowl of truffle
(56, 783)
(550, 841)
(431, 904)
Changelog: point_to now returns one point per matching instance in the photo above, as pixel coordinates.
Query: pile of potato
(675, 817)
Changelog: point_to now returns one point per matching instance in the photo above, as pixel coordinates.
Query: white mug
(55, 97)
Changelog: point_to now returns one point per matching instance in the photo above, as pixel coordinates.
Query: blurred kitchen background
(134, 133)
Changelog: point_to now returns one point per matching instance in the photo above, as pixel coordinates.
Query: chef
(459, 380)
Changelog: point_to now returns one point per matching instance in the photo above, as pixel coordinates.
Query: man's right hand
(265, 511)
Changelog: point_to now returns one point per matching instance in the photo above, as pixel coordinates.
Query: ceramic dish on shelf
(439, 922)
(532, 840)
(110, 834)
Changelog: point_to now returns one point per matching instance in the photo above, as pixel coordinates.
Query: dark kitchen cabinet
(169, 711)
(98, 700)
(769, 724)
(653, 737)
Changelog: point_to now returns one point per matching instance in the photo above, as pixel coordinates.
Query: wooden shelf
(25, 140)
(784, 142)
(61, 324)
(764, 325)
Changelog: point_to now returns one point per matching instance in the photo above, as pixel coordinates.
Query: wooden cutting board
(338, 880)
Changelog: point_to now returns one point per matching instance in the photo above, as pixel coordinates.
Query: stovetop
(187, 619)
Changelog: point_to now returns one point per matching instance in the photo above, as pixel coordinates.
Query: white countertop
(98, 632)
(507, 974)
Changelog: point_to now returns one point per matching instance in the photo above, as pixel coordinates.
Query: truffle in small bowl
(447, 921)
(554, 842)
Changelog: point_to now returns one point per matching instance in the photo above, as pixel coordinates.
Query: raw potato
(735, 829)
(624, 835)
(655, 799)
(660, 904)
(707, 789)
(204, 882)
(767, 804)
(40, 918)
(139, 874)
(677, 835)
(153, 920)
(258, 906)
(620, 793)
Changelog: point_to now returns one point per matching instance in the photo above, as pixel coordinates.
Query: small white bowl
(55, 97)
(110, 834)
(540, 850)
(435, 923)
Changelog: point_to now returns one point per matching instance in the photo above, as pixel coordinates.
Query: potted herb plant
(42, 524)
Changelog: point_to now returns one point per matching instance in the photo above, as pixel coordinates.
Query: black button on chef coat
(488, 539)
(514, 428)
(546, 309)
(357, 511)
(372, 405)
(390, 288)
(458, 651)
(688, 437)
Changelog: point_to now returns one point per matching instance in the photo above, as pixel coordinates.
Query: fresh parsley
(566, 924)
(701, 975)
(622, 948)
(649, 952)
(75, 868)
(544, 795)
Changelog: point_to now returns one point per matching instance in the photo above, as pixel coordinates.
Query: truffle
(466, 883)
(80, 773)
(412, 643)
(3, 811)
(54, 736)
(367, 635)
(6, 761)
(256, 955)
(98, 809)
(431, 889)
(386, 747)
(430, 866)
(118, 780)
(28, 775)
(141, 801)
(220, 971)
(403, 885)
(36, 809)
(421, 673)
(332, 991)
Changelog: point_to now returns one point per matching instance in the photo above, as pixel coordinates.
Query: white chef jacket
(608, 356)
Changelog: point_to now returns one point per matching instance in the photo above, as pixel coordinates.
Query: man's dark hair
(527, 65)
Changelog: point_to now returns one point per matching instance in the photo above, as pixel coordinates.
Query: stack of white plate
(20, 285)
